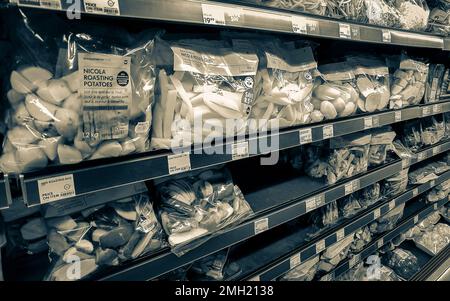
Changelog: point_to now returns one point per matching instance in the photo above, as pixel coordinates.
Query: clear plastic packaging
(447, 125)
(388, 221)
(408, 83)
(214, 267)
(370, 195)
(354, 10)
(383, 12)
(372, 83)
(380, 144)
(283, 87)
(336, 96)
(361, 272)
(200, 89)
(434, 239)
(103, 236)
(344, 157)
(350, 205)
(81, 110)
(316, 7)
(403, 262)
(362, 237)
(194, 207)
(434, 83)
(439, 192)
(422, 175)
(303, 272)
(323, 218)
(333, 255)
(411, 135)
(395, 184)
(433, 129)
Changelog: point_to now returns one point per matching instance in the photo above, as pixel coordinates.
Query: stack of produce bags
(197, 205)
(102, 236)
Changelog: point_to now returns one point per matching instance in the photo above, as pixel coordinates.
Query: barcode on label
(106, 7)
(328, 131)
(344, 31)
(351, 187)
(354, 260)
(179, 163)
(368, 123)
(213, 14)
(420, 156)
(398, 116)
(305, 136)
(234, 13)
(375, 121)
(435, 206)
(386, 36)
(261, 225)
(320, 200)
(294, 260)
(52, 4)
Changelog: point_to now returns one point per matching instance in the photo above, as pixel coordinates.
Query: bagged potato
(433, 129)
(200, 89)
(370, 195)
(388, 221)
(408, 83)
(380, 144)
(197, 205)
(336, 96)
(372, 83)
(103, 236)
(96, 103)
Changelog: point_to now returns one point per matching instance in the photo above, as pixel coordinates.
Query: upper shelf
(246, 16)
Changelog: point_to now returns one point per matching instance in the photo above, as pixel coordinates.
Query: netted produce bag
(194, 207)
(388, 221)
(95, 102)
(336, 96)
(350, 205)
(395, 184)
(372, 83)
(303, 272)
(434, 83)
(283, 88)
(339, 158)
(433, 239)
(333, 255)
(433, 129)
(380, 144)
(410, 135)
(362, 237)
(403, 262)
(408, 83)
(370, 195)
(200, 89)
(103, 236)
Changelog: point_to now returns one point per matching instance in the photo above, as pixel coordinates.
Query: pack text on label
(56, 188)
(179, 163)
(213, 14)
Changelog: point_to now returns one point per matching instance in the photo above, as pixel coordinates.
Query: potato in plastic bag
(403, 262)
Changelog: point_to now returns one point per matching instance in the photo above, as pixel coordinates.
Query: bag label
(105, 90)
(56, 188)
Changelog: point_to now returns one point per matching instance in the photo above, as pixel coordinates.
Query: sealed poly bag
(395, 184)
(388, 221)
(214, 267)
(200, 90)
(411, 136)
(283, 87)
(408, 83)
(336, 96)
(349, 205)
(434, 83)
(323, 218)
(433, 129)
(380, 144)
(333, 255)
(370, 195)
(362, 272)
(303, 272)
(362, 237)
(433, 239)
(94, 103)
(102, 236)
(196, 206)
(403, 262)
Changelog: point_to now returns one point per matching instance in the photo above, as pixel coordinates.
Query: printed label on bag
(386, 35)
(261, 225)
(178, 163)
(340, 235)
(345, 31)
(239, 150)
(56, 188)
(320, 246)
(398, 116)
(104, 7)
(294, 260)
(305, 136)
(328, 131)
(105, 90)
(213, 14)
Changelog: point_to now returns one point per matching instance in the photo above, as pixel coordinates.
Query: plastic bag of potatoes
(408, 83)
(283, 87)
(96, 105)
(337, 95)
(200, 87)
(103, 236)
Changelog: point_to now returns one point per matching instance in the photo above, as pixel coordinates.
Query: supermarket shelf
(435, 108)
(117, 172)
(285, 202)
(435, 267)
(384, 239)
(282, 265)
(252, 17)
(5, 192)
(427, 153)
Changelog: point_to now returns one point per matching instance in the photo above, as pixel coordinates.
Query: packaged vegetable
(323, 218)
(362, 237)
(283, 87)
(433, 129)
(413, 14)
(408, 83)
(410, 135)
(338, 158)
(354, 10)
(370, 195)
(60, 116)
(336, 96)
(361, 272)
(317, 7)
(214, 267)
(388, 221)
(350, 205)
(403, 262)
(380, 144)
(434, 83)
(196, 206)
(102, 236)
(333, 255)
(439, 192)
(200, 88)
(303, 272)
(433, 239)
(422, 175)
(383, 13)
(395, 184)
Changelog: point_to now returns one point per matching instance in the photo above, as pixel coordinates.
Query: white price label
(345, 31)
(213, 14)
(105, 7)
(179, 163)
(380, 243)
(320, 200)
(340, 235)
(328, 131)
(261, 225)
(406, 162)
(310, 204)
(391, 205)
(415, 192)
(320, 246)
(52, 4)
(256, 278)
(386, 35)
(354, 260)
(351, 187)
(239, 150)
(368, 123)
(426, 111)
(305, 136)
(398, 116)
(375, 121)
(436, 150)
(299, 24)
(437, 109)
(294, 260)
(432, 183)
(421, 156)
(416, 219)
(435, 206)
(56, 188)
(377, 213)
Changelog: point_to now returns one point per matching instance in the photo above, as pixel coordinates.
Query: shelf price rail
(5, 191)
